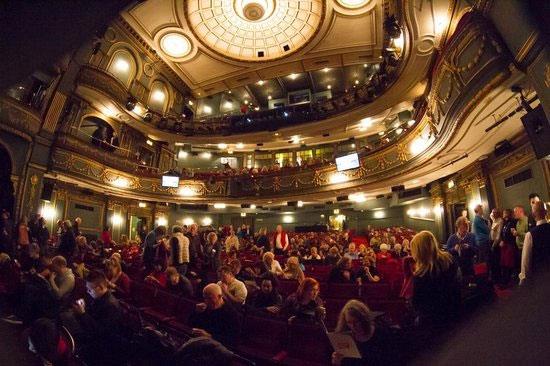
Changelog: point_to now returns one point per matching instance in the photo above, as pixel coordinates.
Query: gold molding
(523, 51)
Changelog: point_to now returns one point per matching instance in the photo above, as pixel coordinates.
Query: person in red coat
(280, 241)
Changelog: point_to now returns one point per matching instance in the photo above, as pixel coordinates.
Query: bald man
(535, 255)
(215, 318)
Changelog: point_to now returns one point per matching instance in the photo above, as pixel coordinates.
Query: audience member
(231, 242)
(118, 281)
(233, 290)
(508, 247)
(272, 264)
(293, 270)
(522, 226)
(482, 233)
(280, 241)
(376, 342)
(267, 297)
(305, 302)
(533, 198)
(215, 318)
(202, 351)
(436, 296)
(61, 278)
(158, 276)
(177, 283)
(535, 255)
(343, 272)
(179, 250)
(367, 272)
(461, 245)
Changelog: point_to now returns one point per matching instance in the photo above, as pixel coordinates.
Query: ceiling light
(243, 214)
(261, 82)
(188, 221)
(411, 122)
(276, 134)
(161, 221)
(206, 221)
(357, 197)
(353, 146)
(381, 133)
(295, 139)
(175, 45)
(206, 155)
(222, 146)
(229, 92)
(293, 76)
(207, 109)
(365, 65)
(252, 206)
(149, 142)
(326, 69)
(450, 184)
(329, 87)
(322, 215)
(399, 131)
(240, 145)
(122, 65)
(257, 109)
(353, 3)
(182, 154)
(300, 204)
(190, 102)
(379, 214)
(287, 219)
(269, 97)
(219, 206)
(336, 211)
(356, 82)
(142, 205)
(246, 102)
(116, 219)
(230, 151)
(158, 96)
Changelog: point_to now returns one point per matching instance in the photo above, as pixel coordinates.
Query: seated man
(215, 318)
(61, 278)
(233, 290)
(267, 297)
(178, 284)
(97, 325)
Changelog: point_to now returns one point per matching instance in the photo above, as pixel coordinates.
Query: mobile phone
(80, 302)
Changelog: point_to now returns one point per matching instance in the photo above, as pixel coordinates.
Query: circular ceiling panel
(175, 45)
(254, 30)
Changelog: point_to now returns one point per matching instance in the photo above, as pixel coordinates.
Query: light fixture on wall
(252, 206)
(300, 204)
(243, 214)
(188, 221)
(336, 211)
(219, 205)
(48, 212)
(206, 221)
(142, 205)
(287, 219)
(380, 214)
(116, 220)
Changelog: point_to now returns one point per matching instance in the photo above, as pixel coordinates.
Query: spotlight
(131, 103)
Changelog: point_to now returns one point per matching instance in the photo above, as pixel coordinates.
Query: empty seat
(163, 307)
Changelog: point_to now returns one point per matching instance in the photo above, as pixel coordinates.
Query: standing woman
(23, 239)
(508, 247)
(436, 294)
(67, 241)
(43, 236)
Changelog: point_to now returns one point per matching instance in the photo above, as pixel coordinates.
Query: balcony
(18, 117)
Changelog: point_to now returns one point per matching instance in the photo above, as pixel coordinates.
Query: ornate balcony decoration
(18, 119)
(98, 79)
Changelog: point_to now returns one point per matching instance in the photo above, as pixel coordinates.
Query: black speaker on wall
(47, 191)
(342, 198)
(538, 129)
(398, 188)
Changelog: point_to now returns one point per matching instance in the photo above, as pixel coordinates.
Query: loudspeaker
(538, 129)
(503, 147)
(342, 198)
(398, 188)
(292, 203)
(245, 205)
(47, 191)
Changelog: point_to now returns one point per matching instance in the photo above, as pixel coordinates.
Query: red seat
(182, 311)
(164, 307)
(375, 291)
(341, 291)
(142, 294)
(287, 287)
(262, 335)
(309, 340)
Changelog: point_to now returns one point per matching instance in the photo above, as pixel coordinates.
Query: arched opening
(7, 192)
(99, 132)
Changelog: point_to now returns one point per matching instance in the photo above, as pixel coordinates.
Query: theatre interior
(275, 182)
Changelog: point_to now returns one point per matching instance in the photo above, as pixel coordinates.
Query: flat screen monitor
(170, 181)
(347, 162)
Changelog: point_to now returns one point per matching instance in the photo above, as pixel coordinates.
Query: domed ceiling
(254, 30)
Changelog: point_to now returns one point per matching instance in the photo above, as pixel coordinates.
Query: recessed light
(240, 145)
(257, 109)
(411, 122)
(190, 102)
(381, 133)
(149, 142)
(293, 76)
(222, 146)
(329, 87)
(246, 101)
(399, 131)
(261, 82)
(326, 69)
(158, 95)
(269, 97)
(356, 82)
(122, 65)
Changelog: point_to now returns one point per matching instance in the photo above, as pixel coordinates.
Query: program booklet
(344, 344)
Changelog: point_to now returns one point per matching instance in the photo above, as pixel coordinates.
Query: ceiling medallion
(254, 30)
(253, 11)
(353, 4)
(175, 45)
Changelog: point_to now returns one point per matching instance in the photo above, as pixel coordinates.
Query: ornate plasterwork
(18, 119)
(281, 29)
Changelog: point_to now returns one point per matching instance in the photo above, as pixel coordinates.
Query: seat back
(308, 339)
(342, 291)
(143, 294)
(287, 287)
(264, 333)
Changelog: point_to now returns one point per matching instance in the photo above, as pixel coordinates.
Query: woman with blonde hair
(293, 270)
(271, 264)
(436, 295)
(376, 343)
(117, 280)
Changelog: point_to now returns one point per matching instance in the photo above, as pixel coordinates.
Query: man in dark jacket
(99, 328)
